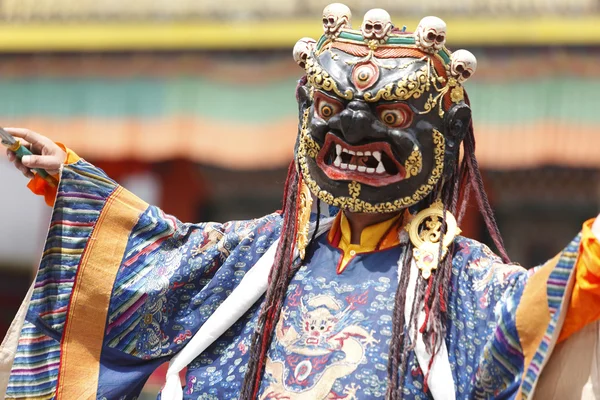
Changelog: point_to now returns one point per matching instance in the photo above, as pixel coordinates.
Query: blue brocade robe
(123, 287)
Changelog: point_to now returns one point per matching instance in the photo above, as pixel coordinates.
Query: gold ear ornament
(425, 232)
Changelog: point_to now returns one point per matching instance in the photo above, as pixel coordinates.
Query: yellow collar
(379, 236)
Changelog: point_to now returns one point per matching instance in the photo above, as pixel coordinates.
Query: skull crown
(377, 25)
(463, 65)
(378, 30)
(302, 49)
(430, 35)
(335, 17)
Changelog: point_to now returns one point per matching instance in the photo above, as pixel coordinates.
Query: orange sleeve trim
(584, 305)
(81, 344)
(72, 157)
(42, 188)
(533, 315)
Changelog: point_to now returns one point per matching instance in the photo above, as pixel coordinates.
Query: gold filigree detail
(318, 78)
(373, 45)
(354, 189)
(457, 94)
(312, 147)
(303, 219)
(414, 163)
(411, 86)
(356, 204)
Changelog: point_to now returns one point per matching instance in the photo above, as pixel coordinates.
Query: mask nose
(356, 122)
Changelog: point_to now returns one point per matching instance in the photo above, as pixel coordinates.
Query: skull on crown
(430, 35)
(301, 50)
(376, 25)
(335, 17)
(463, 65)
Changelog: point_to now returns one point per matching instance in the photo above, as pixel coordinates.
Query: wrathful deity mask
(382, 111)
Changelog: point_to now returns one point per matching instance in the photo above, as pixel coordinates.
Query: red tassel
(268, 328)
(426, 378)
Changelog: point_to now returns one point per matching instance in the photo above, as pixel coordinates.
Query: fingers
(36, 142)
(11, 156)
(24, 170)
(18, 164)
(26, 134)
(49, 163)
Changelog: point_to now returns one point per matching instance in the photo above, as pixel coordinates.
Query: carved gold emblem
(425, 232)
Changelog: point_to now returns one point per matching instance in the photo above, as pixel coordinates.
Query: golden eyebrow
(320, 79)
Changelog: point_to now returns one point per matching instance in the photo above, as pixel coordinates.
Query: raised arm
(121, 286)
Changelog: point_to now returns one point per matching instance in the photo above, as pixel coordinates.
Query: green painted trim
(405, 40)
(321, 41)
(566, 99)
(352, 36)
(444, 56)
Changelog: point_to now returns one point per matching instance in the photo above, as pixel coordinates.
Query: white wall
(24, 217)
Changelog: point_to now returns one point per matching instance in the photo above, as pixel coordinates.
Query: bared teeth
(339, 150)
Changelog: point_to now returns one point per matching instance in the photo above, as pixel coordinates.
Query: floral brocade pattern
(175, 275)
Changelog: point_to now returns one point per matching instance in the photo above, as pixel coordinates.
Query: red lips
(372, 164)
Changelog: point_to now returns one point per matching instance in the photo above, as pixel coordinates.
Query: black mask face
(377, 134)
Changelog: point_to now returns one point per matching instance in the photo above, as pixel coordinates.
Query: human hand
(47, 155)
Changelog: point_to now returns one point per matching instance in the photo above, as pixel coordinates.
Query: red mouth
(372, 164)
(312, 340)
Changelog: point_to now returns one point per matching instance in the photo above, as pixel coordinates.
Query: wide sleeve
(524, 319)
(121, 288)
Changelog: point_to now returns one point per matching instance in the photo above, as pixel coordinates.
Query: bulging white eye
(326, 107)
(395, 115)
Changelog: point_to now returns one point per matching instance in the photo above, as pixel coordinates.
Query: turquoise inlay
(402, 40)
(351, 36)
(558, 98)
(444, 56)
(321, 41)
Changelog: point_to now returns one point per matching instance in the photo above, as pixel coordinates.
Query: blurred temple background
(190, 104)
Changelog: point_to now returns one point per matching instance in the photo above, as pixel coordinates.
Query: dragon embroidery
(317, 343)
